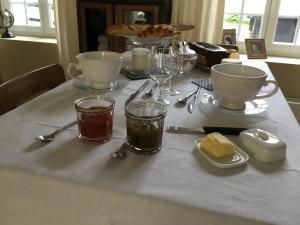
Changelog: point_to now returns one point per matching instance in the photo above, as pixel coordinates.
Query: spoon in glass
(50, 137)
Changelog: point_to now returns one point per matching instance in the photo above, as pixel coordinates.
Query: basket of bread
(146, 34)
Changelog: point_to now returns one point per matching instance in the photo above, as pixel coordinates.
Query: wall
(18, 57)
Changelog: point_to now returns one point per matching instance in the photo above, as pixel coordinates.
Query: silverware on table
(192, 102)
(206, 130)
(135, 94)
(150, 92)
(121, 153)
(50, 137)
(184, 100)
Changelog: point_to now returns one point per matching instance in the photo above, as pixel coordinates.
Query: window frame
(45, 30)
(267, 32)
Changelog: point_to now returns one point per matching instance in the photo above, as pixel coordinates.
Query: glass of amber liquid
(95, 117)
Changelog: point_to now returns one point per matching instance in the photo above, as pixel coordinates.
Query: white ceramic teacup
(99, 68)
(234, 84)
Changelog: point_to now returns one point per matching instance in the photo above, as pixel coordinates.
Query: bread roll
(158, 30)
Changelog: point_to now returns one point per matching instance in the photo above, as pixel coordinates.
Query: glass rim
(162, 114)
(96, 110)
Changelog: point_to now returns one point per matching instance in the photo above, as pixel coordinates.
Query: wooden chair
(22, 88)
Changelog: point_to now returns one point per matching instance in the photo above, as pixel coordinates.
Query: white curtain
(67, 31)
(205, 15)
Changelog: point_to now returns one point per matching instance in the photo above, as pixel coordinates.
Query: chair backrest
(22, 88)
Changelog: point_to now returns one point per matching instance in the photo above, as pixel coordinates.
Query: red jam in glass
(95, 118)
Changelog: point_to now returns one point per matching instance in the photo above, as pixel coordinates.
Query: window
(277, 21)
(32, 17)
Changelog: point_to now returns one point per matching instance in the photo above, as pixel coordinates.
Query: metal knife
(133, 96)
(206, 130)
(191, 104)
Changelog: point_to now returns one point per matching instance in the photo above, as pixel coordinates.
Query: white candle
(140, 59)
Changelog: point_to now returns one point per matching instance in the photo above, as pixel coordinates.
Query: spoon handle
(187, 97)
(192, 103)
(65, 127)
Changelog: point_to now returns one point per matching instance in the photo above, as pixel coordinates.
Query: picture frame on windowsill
(229, 37)
(256, 48)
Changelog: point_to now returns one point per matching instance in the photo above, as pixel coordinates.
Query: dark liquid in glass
(96, 126)
(145, 137)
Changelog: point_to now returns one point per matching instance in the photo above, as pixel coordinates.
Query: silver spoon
(184, 100)
(121, 153)
(50, 137)
(150, 92)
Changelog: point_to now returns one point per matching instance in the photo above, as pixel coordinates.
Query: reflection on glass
(285, 30)
(138, 17)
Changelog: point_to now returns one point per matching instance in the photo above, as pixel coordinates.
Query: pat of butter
(217, 145)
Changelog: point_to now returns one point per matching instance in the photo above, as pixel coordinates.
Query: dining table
(71, 181)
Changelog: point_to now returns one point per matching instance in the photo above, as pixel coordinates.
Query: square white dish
(238, 159)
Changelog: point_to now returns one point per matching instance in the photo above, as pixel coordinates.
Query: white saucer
(252, 107)
(81, 83)
(238, 159)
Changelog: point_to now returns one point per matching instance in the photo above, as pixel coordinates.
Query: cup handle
(271, 93)
(70, 66)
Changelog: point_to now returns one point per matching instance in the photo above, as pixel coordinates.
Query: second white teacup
(235, 84)
(99, 68)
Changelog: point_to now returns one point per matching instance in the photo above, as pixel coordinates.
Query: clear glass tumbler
(95, 117)
(145, 122)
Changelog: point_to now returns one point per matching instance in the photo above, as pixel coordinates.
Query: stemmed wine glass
(175, 63)
(161, 69)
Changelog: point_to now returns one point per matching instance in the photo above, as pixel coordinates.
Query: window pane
(255, 7)
(285, 30)
(231, 21)
(19, 12)
(289, 8)
(33, 14)
(52, 16)
(233, 6)
(250, 27)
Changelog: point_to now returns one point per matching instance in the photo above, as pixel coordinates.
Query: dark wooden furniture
(94, 16)
(120, 11)
(22, 88)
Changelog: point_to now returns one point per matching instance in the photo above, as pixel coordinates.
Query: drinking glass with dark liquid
(95, 117)
(145, 122)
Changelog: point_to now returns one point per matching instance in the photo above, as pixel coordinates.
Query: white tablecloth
(68, 181)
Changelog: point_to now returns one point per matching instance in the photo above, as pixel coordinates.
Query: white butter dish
(238, 159)
(265, 146)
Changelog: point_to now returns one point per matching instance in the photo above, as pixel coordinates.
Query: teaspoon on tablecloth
(184, 100)
(121, 153)
(50, 137)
